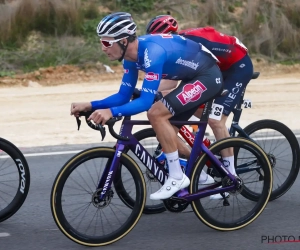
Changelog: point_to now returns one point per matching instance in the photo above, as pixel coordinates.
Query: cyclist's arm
(128, 84)
(146, 99)
(167, 85)
(153, 74)
(155, 59)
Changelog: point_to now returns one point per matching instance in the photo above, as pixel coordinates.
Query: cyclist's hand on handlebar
(100, 116)
(77, 107)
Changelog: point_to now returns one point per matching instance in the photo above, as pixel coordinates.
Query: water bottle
(206, 141)
(161, 159)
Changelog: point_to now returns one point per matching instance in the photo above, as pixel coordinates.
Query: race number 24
(247, 104)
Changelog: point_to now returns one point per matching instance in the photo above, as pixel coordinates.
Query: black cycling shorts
(183, 101)
(236, 79)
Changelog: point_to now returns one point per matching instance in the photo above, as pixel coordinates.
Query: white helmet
(117, 25)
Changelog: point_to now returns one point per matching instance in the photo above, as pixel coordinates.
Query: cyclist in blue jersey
(160, 57)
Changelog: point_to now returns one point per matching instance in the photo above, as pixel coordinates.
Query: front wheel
(234, 210)
(14, 179)
(282, 149)
(76, 208)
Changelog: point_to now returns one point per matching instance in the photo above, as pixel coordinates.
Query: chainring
(175, 205)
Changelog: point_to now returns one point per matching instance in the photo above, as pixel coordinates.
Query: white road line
(274, 137)
(4, 234)
(44, 154)
(52, 153)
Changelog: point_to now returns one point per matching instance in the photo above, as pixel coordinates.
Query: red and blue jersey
(228, 49)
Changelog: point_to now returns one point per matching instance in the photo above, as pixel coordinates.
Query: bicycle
(91, 182)
(288, 156)
(14, 179)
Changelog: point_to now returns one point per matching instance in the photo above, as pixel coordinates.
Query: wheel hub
(226, 182)
(101, 203)
(272, 160)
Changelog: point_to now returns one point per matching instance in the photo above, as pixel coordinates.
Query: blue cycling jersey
(160, 56)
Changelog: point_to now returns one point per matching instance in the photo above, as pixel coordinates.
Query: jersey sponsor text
(150, 76)
(190, 64)
(191, 92)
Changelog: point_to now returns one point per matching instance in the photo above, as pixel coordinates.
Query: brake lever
(102, 131)
(97, 127)
(78, 122)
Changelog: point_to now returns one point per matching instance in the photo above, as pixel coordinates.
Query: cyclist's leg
(184, 100)
(183, 149)
(236, 79)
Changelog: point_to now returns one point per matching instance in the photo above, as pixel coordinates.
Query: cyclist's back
(171, 57)
(228, 49)
(167, 57)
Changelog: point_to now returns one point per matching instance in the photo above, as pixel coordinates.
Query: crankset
(175, 205)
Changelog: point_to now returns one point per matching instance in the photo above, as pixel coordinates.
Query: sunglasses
(110, 43)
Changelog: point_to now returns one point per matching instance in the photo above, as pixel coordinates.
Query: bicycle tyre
(198, 209)
(24, 179)
(278, 191)
(57, 189)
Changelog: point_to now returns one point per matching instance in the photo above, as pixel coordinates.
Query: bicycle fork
(109, 173)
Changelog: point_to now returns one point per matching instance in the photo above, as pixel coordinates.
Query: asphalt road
(33, 228)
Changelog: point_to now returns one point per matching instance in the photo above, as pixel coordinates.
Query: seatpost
(237, 111)
(206, 111)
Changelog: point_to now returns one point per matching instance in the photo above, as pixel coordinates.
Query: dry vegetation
(42, 33)
(51, 17)
(268, 27)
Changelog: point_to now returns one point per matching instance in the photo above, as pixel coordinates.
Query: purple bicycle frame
(158, 170)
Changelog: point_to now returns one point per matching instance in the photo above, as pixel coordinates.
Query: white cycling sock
(229, 163)
(175, 170)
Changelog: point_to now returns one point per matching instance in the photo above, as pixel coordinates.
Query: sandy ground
(36, 115)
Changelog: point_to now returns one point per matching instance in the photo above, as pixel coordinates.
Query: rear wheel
(234, 211)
